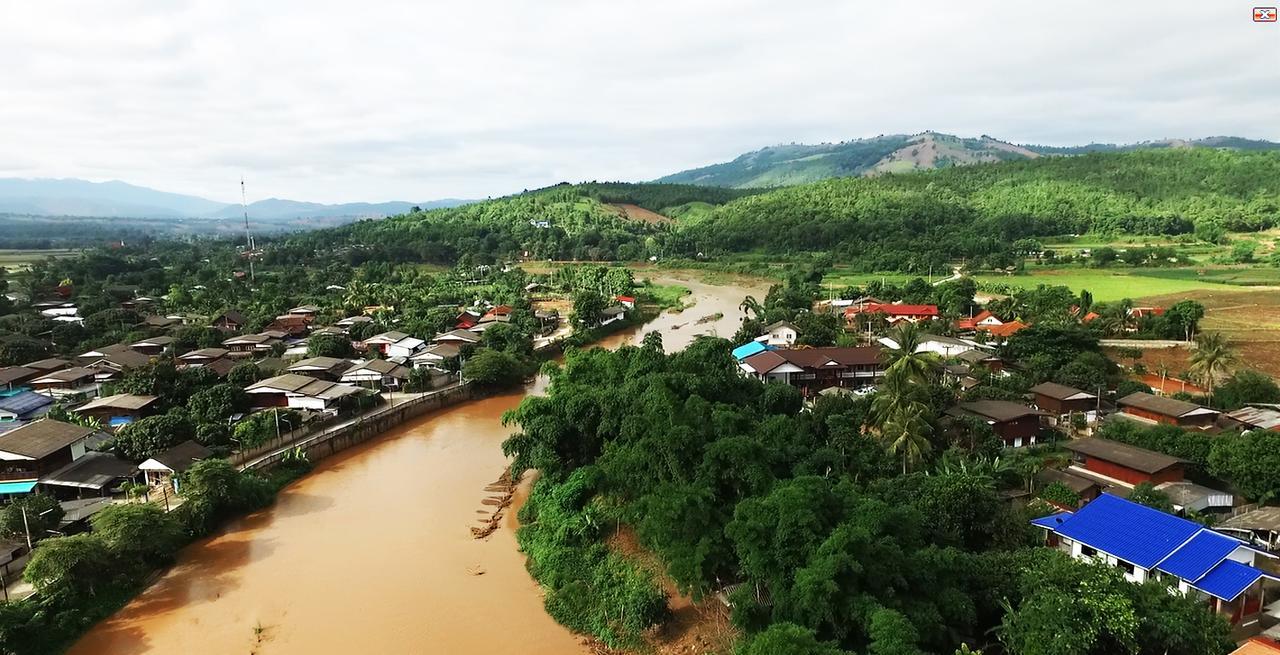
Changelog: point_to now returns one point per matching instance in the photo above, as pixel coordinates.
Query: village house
(1260, 526)
(304, 310)
(230, 321)
(1137, 313)
(48, 365)
(293, 325)
(112, 364)
(22, 407)
(457, 337)
(1016, 424)
(127, 355)
(67, 383)
(94, 474)
(467, 319)
(1145, 543)
(164, 468)
(612, 315)
(1002, 331)
(16, 377)
(436, 356)
(351, 321)
(1117, 464)
(153, 346)
(748, 349)
(377, 373)
(1256, 417)
(1149, 408)
(251, 345)
(893, 313)
(380, 342)
(815, 369)
(404, 348)
(981, 319)
(627, 301)
(1119, 467)
(202, 357)
(1061, 400)
(779, 335)
(299, 392)
(43, 446)
(154, 322)
(945, 347)
(984, 359)
(321, 368)
(120, 409)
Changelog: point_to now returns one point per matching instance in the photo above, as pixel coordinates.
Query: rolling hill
(115, 199)
(899, 153)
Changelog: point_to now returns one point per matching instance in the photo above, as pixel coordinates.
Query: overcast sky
(346, 101)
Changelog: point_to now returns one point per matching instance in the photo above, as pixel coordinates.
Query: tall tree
(1213, 358)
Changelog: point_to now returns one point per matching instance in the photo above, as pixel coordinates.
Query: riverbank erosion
(373, 551)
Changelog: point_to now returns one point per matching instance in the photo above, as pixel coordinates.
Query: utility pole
(248, 237)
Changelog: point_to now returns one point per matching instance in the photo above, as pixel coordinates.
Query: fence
(362, 428)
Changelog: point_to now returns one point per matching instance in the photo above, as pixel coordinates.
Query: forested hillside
(895, 153)
(794, 163)
(890, 222)
(979, 211)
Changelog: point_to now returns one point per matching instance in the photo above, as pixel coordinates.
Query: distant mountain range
(898, 153)
(114, 199)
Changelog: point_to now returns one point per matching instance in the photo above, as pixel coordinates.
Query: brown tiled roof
(1138, 459)
(42, 438)
(997, 410)
(1159, 404)
(1058, 391)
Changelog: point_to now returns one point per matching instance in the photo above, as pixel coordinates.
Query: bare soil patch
(1250, 318)
(638, 213)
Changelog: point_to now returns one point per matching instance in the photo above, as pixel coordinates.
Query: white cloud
(336, 101)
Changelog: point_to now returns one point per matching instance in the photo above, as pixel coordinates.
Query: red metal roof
(893, 310)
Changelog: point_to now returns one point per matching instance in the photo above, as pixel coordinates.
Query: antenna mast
(248, 236)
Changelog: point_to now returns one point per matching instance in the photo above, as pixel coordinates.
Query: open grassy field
(1107, 285)
(1250, 318)
(21, 260)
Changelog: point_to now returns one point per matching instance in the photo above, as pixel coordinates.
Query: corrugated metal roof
(1199, 555)
(1133, 457)
(1228, 580)
(1052, 521)
(1134, 533)
(748, 349)
(24, 403)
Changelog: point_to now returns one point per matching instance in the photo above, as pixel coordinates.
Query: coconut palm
(751, 306)
(917, 366)
(894, 395)
(907, 434)
(1162, 369)
(1213, 358)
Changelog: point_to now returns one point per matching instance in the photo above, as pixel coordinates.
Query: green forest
(887, 223)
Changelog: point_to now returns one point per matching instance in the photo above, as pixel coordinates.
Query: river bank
(372, 552)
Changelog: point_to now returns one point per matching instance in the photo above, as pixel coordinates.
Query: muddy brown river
(372, 552)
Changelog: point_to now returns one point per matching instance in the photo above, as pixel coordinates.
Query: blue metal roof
(24, 403)
(1134, 533)
(748, 349)
(1052, 521)
(1228, 580)
(1203, 552)
(17, 487)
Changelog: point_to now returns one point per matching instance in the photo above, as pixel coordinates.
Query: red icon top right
(1264, 14)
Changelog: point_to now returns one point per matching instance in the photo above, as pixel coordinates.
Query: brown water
(372, 552)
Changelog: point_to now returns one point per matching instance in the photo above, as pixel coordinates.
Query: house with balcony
(815, 369)
(1145, 543)
(892, 313)
(42, 447)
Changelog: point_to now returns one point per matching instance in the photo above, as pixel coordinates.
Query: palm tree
(1214, 357)
(752, 306)
(907, 434)
(895, 394)
(917, 366)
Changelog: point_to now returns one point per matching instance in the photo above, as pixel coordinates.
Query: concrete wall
(335, 440)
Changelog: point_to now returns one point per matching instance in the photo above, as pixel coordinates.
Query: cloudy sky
(345, 101)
